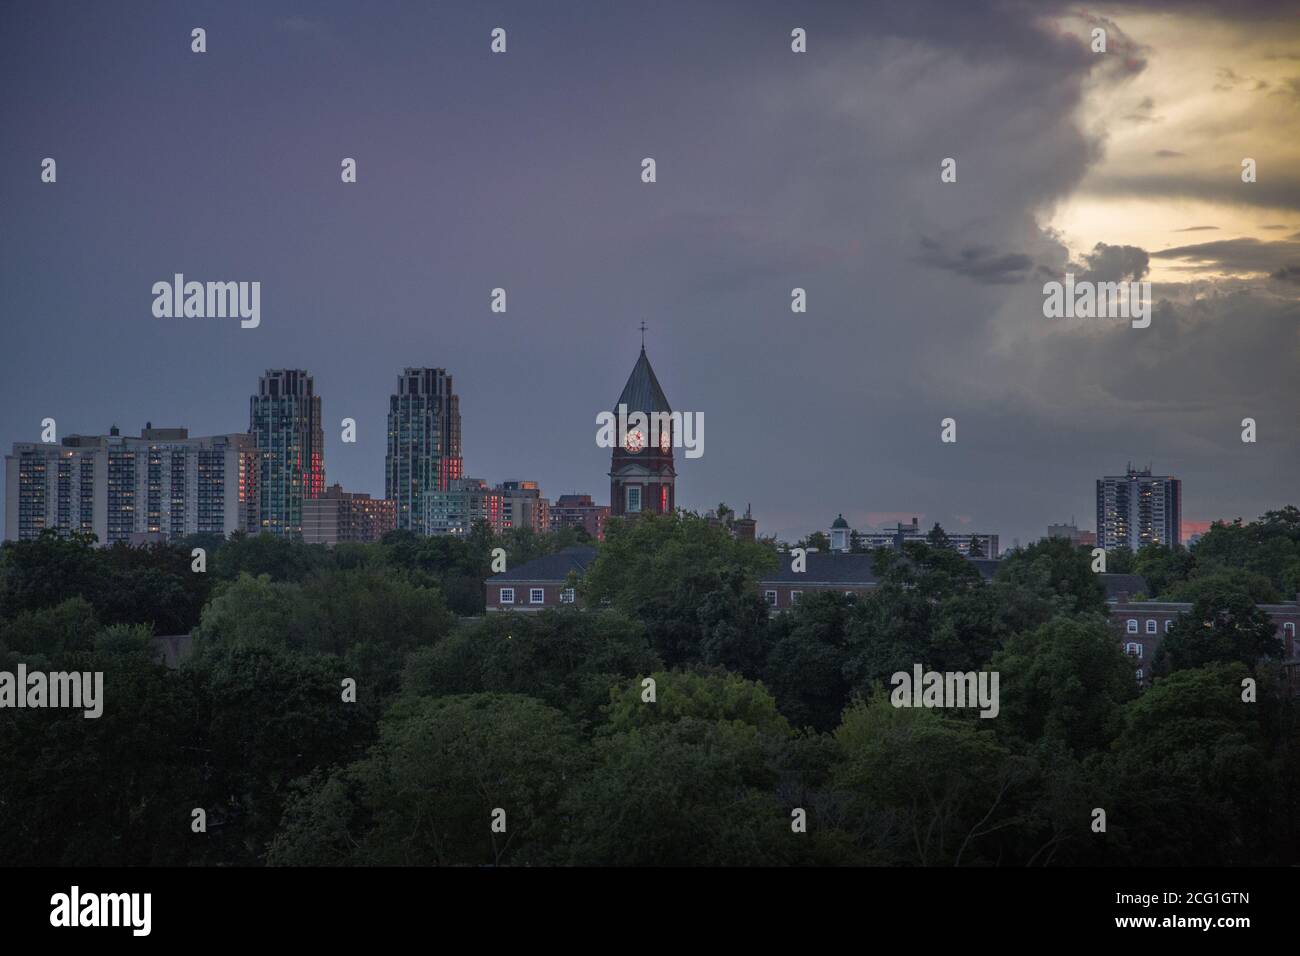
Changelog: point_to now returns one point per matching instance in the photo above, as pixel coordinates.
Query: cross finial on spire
(643, 335)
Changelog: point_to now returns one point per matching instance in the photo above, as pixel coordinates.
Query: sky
(774, 170)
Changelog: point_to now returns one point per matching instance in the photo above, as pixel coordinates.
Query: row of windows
(1152, 625)
(771, 598)
(536, 596)
(1288, 628)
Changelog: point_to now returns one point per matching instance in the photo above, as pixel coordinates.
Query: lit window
(507, 595)
(536, 596)
(770, 597)
(1151, 626)
(1132, 626)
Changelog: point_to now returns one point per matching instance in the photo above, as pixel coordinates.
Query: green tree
(427, 792)
(682, 793)
(927, 790)
(704, 696)
(1063, 684)
(662, 569)
(1223, 626)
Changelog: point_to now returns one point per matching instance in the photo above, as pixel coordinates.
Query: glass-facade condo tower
(424, 451)
(285, 422)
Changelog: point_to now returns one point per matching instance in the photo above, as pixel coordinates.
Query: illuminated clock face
(634, 441)
(665, 440)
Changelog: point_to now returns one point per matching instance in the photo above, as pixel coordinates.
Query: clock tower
(641, 471)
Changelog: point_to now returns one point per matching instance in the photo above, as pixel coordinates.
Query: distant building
(1072, 534)
(285, 422)
(539, 584)
(424, 446)
(742, 529)
(463, 504)
(522, 506)
(1141, 625)
(339, 516)
(159, 486)
(579, 511)
(642, 476)
(1139, 508)
(986, 545)
(840, 534)
(834, 571)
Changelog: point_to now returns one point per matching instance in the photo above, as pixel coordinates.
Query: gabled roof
(642, 392)
(1117, 584)
(850, 570)
(550, 567)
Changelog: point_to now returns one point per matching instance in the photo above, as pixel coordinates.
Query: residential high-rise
(424, 450)
(1073, 534)
(161, 485)
(340, 515)
(1139, 508)
(285, 422)
(642, 476)
(456, 510)
(511, 504)
(579, 511)
(522, 506)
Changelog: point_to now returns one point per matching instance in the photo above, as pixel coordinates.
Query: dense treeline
(544, 716)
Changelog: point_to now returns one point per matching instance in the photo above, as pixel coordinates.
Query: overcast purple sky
(775, 170)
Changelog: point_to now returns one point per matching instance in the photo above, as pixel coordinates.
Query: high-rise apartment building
(1139, 508)
(579, 511)
(522, 506)
(456, 510)
(285, 422)
(340, 515)
(161, 485)
(511, 504)
(1073, 534)
(424, 450)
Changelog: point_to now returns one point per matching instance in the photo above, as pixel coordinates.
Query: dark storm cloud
(979, 263)
(1108, 263)
(1235, 255)
(1277, 188)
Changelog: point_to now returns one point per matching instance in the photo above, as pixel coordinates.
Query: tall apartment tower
(285, 422)
(159, 486)
(642, 476)
(424, 451)
(1139, 508)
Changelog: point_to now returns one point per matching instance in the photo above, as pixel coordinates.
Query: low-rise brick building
(538, 584)
(1141, 625)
